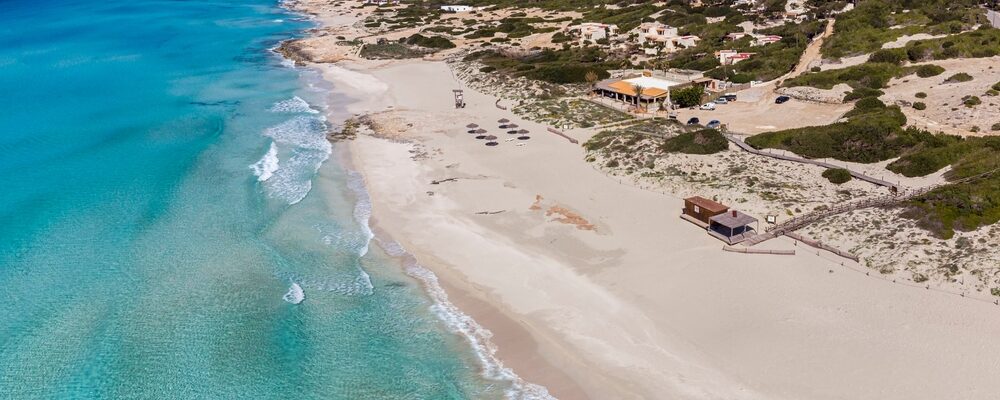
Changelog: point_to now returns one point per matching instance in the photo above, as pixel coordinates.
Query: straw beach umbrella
(503, 120)
(472, 126)
(491, 137)
(491, 144)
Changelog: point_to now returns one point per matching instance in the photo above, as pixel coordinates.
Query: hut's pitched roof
(729, 221)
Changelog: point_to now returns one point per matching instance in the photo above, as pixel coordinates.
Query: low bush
(919, 106)
(873, 132)
(862, 92)
(892, 56)
(929, 70)
(972, 101)
(920, 95)
(705, 141)
(837, 175)
(431, 42)
(869, 75)
(959, 77)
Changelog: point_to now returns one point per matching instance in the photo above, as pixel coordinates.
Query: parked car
(729, 97)
(672, 116)
(708, 106)
(713, 124)
(781, 99)
(694, 121)
(721, 100)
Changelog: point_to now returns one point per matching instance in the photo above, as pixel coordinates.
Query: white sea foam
(306, 136)
(462, 324)
(264, 168)
(293, 105)
(362, 208)
(295, 294)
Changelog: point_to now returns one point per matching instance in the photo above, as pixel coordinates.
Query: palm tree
(638, 93)
(591, 78)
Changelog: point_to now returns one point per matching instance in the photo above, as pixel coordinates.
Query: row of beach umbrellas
(504, 124)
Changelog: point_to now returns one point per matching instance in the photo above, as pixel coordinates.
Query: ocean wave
(362, 208)
(306, 136)
(295, 294)
(359, 283)
(293, 105)
(462, 324)
(265, 168)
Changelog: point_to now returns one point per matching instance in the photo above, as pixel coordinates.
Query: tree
(591, 78)
(638, 93)
(687, 97)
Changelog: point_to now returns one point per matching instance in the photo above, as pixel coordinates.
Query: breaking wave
(306, 136)
(264, 168)
(462, 324)
(295, 294)
(293, 105)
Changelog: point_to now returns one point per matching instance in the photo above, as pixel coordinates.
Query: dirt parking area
(763, 115)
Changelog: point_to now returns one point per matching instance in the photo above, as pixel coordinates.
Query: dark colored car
(729, 97)
(713, 124)
(781, 99)
(694, 121)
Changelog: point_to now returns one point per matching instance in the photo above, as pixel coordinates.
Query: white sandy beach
(644, 305)
(596, 289)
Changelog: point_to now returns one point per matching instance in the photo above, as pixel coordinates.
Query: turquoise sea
(168, 196)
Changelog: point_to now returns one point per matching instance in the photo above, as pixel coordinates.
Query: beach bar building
(700, 210)
(732, 227)
(653, 89)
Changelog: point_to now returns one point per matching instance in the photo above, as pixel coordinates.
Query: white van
(708, 106)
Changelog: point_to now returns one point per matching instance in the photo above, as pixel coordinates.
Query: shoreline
(639, 305)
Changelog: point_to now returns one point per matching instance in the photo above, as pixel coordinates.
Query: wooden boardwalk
(888, 200)
(743, 145)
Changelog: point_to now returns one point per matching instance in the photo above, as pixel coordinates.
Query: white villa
(758, 39)
(592, 31)
(657, 37)
(456, 9)
(730, 57)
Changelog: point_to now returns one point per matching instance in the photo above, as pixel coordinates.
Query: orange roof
(629, 90)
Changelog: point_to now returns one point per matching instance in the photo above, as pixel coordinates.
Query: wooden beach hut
(700, 210)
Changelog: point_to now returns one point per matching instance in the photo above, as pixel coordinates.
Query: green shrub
(929, 70)
(869, 75)
(995, 127)
(815, 69)
(996, 86)
(862, 92)
(919, 106)
(972, 101)
(687, 97)
(891, 56)
(567, 73)
(920, 95)
(959, 77)
(837, 175)
(431, 42)
(992, 92)
(705, 141)
(873, 132)
(487, 69)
